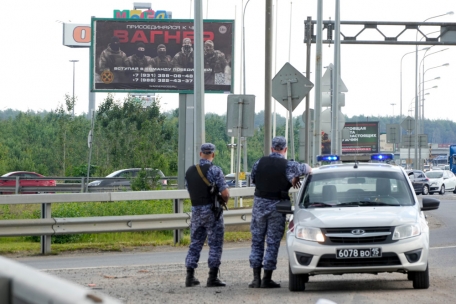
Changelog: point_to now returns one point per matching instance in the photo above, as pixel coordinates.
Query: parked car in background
(420, 182)
(122, 178)
(26, 179)
(426, 168)
(231, 180)
(441, 181)
(447, 167)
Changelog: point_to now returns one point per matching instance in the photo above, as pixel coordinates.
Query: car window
(434, 174)
(361, 188)
(30, 175)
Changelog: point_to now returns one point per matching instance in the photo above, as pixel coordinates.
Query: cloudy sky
(36, 72)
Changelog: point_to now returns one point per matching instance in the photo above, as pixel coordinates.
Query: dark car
(231, 180)
(26, 179)
(122, 178)
(420, 181)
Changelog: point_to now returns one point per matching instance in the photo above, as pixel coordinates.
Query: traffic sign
(393, 133)
(300, 86)
(408, 123)
(311, 111)
(326, 99)
(247, 104)
(326, 81)
(325, 118)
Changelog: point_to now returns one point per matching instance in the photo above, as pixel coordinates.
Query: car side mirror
(430, 204)
(285, 207)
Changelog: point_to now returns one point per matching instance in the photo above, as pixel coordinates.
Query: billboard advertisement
(364, 137)
(156, 55)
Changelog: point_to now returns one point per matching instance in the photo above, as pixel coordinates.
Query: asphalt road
(158, 275)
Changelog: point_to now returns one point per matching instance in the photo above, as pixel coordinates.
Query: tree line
(126, 135)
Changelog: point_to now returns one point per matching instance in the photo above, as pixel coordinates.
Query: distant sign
(139, 14)
(135, 65)
(76, 35)
(363, 137)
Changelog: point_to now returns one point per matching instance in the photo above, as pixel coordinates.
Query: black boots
(256, 283)
(212, 280)
(190, 280)
(266, 282)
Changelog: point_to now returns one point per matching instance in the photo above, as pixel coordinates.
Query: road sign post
(289, 87)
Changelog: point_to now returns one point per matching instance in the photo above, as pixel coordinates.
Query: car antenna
(356, 164)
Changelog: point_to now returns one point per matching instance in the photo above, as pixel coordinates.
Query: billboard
(156, 55)
(364, 137)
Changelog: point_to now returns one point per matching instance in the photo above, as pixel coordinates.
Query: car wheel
(425, 190)
(421, 279)
(410, 276)
(442, 190)
(297, 282)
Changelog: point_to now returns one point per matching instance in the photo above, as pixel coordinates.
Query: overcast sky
(36, 72)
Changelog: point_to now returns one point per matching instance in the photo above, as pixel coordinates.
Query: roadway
(157, 276)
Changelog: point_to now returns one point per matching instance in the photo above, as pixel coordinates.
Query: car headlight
(95, 183)
(406, 231)
(309, 234)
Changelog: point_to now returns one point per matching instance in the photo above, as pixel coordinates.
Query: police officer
(273, 176)
(204, 223)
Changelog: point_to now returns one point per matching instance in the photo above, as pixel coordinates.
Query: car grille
(363, 239)
(387, 259)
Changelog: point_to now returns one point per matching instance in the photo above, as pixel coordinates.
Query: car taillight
(291, 226)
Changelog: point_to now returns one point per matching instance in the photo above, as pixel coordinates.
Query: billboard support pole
(199, 80)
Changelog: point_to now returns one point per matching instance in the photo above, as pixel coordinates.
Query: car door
(415, 181)
(449, 179)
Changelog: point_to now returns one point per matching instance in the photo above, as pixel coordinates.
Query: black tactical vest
(271, 179)
(197, 188)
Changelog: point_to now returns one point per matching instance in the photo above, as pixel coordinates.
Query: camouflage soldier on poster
(205, 223)
(139, 58)
(184, 59)
(112, 57)
(162, 60)
(214, 64)
(273, 176)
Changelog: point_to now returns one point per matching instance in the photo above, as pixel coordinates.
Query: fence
(48, 226)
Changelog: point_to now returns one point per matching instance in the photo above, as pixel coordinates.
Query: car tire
(442, 190)
(297, 282)
(421, 279)
(425, 190)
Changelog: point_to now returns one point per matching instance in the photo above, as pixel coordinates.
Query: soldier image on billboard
(110, 58)
(161, 60)
(214, 64)
(139, 58)
(184, 59)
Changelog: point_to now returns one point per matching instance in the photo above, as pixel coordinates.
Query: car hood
(356, 216)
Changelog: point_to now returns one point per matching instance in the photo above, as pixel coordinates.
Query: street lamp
(422, 78)
(423, 49)
(422, 104)
(74, 61)
(416, 161)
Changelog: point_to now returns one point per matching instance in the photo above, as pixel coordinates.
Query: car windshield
(356, 189)
(434, 174)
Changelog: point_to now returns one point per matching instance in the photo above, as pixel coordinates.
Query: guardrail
(48, 226)
(22, 284)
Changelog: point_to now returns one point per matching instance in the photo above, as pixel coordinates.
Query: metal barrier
(48, 226)
(22, 284)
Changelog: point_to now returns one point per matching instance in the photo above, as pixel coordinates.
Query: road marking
(446, 247)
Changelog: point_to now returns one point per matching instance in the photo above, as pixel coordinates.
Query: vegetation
(126, 135)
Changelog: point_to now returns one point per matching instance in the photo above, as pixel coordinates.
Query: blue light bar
(382, 156)
(328, 158)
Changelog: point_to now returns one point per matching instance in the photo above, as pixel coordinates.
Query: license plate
(349, 253)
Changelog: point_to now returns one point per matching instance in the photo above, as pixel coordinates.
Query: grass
(116, 241)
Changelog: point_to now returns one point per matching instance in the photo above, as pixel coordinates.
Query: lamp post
(422, 104)
(416, 161)
(74, 61)
(393, 104)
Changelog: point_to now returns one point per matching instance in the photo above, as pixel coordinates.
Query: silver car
(357, 218)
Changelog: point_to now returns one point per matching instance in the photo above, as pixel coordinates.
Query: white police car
(357, 218)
